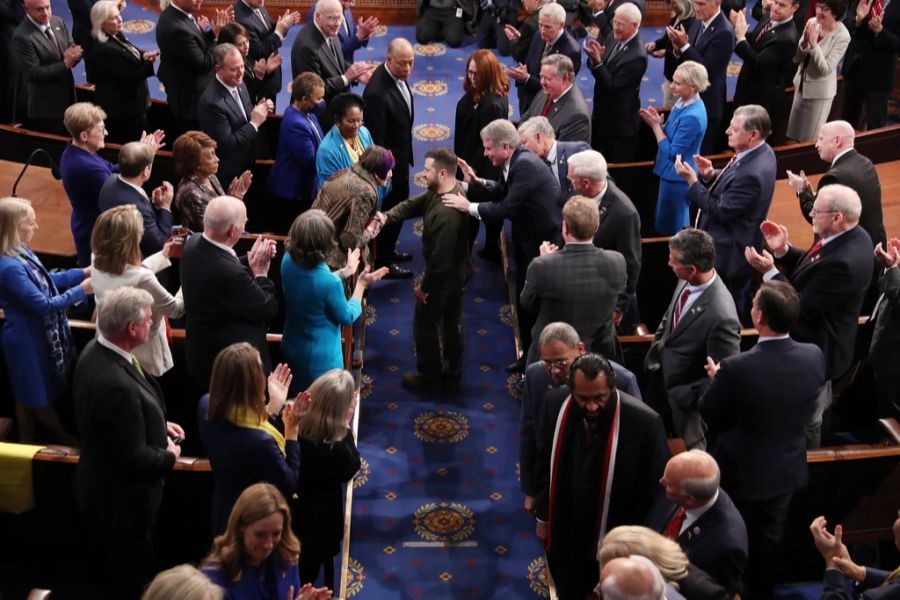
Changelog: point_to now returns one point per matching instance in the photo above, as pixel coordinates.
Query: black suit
(221, 118)
(768, 67)
(716, 541)
(757, 410)
(884, 353)
(81, 30)
(620, 230)
(119, 478)
(529, 88)
(46, 87)
(858, 173)
(227, 305)
(310, 53)
(263, 39)
(120, 76)
(670, 61)
(185, 62)
(603, 19)
(617, 98)
(868, 67)
(390, 119)
(11, 14)
(157, 221)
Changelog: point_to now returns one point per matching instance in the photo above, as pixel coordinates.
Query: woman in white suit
(821, 47)
(116, 262)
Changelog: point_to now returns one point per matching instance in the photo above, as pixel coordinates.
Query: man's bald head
(834, 137)
(632, 578)
(400, 58)
(691, 478)
(328, 16)
(224, 219)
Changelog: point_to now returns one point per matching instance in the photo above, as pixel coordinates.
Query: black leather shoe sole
(401, 257)
(395, 272)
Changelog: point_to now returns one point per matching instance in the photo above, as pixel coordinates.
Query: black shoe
(401, 257)
(490, 255)
(419, 382)
(517, 367)
(395, 272)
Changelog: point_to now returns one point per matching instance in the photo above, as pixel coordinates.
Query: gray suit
(45, 82)
(570, 117)
(578, 285)
(709, 327)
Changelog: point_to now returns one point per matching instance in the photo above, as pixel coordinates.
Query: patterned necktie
(237, 98)
(679, 306)
(877, 9)
(766, 28)
(312, 125)
(674, 527)
(262, 18)
(812, 251)
(546, 50)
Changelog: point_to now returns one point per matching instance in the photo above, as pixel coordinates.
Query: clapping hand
(776, 236)
(711, 367)
(798, 182)
(150, 56)
(286, 21)
(259, 68)
(260, 256)
(862, 9)
(308, 592)
(72, 55)
(519, 73)
(833, 549)
(548, 248)
(739, 21)
(651, 117)
(888, 257)
(366, 27)
(704, 166)
(162, 195)
(154, 140)
(685, 171)
(239, 185)
(677, 35)
(273, 62)
(222, 18)
(512, 34)
(594, 49)
(368, 277)
(278, 384)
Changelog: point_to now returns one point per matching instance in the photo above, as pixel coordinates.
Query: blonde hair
(13, 212)
(326, 419)
(116, 239)
(626, 540)
(183, 582)
(81, 116)
(694, 74)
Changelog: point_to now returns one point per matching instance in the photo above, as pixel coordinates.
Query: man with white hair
(230, 299)
(538, 136)
(552, 38)
(618, 66)
(632, 578)
(560, 101)
(850, 168)
(620, 226)
(831, 277)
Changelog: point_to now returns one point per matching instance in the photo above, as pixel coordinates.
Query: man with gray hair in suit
(631, 578)
(560, 100)
(537, 134)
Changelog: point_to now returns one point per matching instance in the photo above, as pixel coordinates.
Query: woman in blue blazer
(256, 558)
(317, 305)
(292, 179)
(242, 445)
(35, 337)
(346, 140)
(682, 135)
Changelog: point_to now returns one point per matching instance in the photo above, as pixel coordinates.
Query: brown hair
(237, 384)
(490, 76)
(187, 152)
(230, 32)
(304, 84)
(256, 502)
(116, 239)
(311, 238)
(581, 217)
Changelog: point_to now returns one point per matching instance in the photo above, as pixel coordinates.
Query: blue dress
(332, 155)
(83, 175)
(269, 581)
(24, 334)
(684, 130)
(316, 306)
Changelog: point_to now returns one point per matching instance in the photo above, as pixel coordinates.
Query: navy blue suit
(240, 457)
(221, 119)
(532, 425)
(835, 586)
(528, 89)
(732, 207)
(712, 50)
(716, 542)
(157, 221)
(757, 409)
(564, 151)
(294, 173)
(832, 284)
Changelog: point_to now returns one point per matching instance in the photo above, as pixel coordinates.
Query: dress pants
(765, 521)
(874, 102)
(440, 318)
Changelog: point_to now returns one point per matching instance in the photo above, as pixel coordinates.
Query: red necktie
(679, 307)
(877, 9)
(548, 105)
(766, 28)
(674, 527)
(815, 248)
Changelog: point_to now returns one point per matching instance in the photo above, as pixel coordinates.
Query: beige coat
(820, 79)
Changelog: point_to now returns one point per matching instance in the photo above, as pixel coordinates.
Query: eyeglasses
(331, 18)
(559, 363)
(815, 211)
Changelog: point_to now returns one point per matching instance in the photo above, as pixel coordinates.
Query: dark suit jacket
(157, 221)
(869, 61)
(221, 119)
(122, 424)
(640, 460)
(836, 584)
(470, 120)
(349, 42)
(768, 67)
(603, 20)
(617, 87)
(884, 353)
(858, 173)
(389, 120)
(528, 198)
(733, 206)
(46, 86)
(578, 285)
(310, 53)
(120, 78)
(757, 408)
(564, 151)
(528, 89)
(569, 116)
(533, 427)
(716, 542)
(228, 305)
(294, 173)
(670, 61)
(832, 284)
(240, 457)
(263, 39)
(710, 328)
(620, 230)
(713, 51)
(185, 61)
